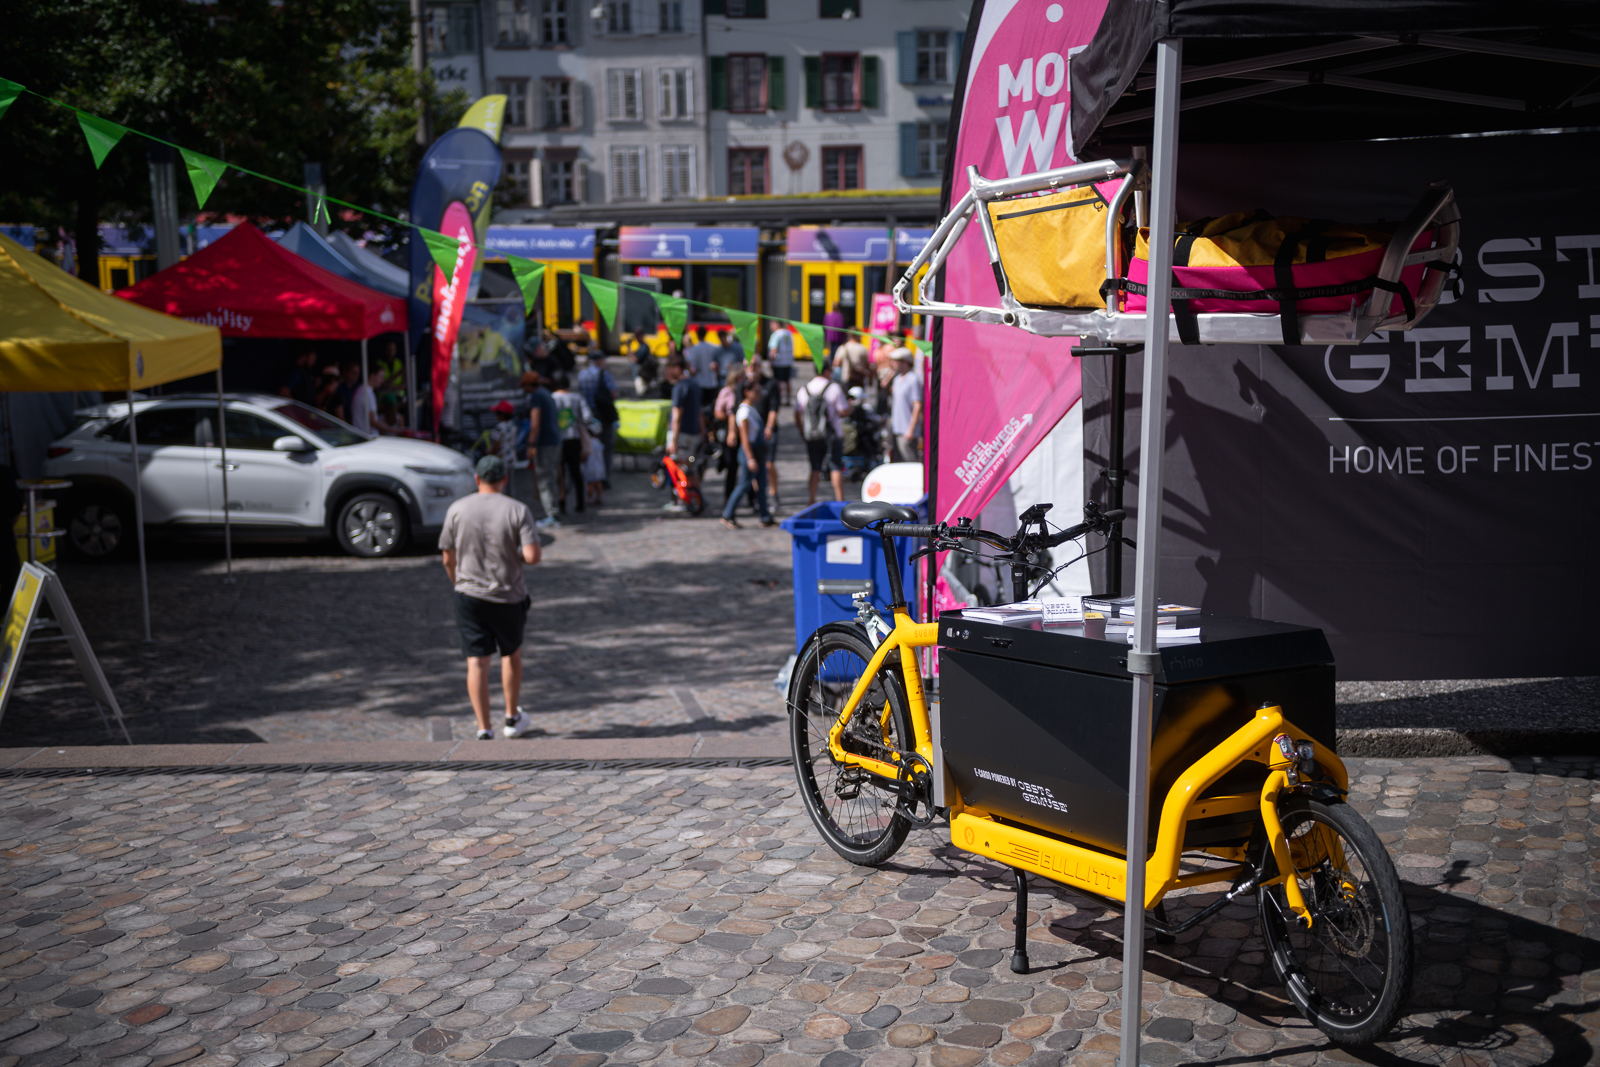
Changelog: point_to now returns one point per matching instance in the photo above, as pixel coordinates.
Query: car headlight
(434, 472)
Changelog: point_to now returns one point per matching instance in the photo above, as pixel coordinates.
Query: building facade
(638, 102)
(811, 96)
(604, 98)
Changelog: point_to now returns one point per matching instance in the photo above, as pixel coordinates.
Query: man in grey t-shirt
(486, 540)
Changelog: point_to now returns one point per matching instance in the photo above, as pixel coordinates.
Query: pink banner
(449, 301)
(1002, 390)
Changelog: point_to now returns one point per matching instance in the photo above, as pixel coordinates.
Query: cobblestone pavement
(692, 917)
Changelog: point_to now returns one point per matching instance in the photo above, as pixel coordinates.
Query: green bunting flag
(9, 91)
(101, 134)
(675, 313)
(748, 327)
(530, 279)
(924, 348)
(444, 250)
(204, 173)
(813, 336)
(604, 294)
(321, 213)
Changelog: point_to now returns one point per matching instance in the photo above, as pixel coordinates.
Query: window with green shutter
(813, 66)
(869, 81)
(777, 98)
(906, 53)
(909, 164)
(719, 82)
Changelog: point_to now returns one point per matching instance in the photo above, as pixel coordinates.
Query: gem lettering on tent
(1567, 379)
(1378, 361)
(1420, 337)
(1510, 270)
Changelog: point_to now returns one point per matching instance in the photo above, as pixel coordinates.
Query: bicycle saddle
(865, 512)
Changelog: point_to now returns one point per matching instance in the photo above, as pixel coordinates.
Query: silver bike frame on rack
(1435, 210)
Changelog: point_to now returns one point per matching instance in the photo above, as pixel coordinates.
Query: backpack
(814, 425)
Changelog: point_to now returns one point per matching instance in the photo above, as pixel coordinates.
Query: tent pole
(363, 361)
(227, 516)
(1116, 474)
(138, 516)
(1144, 660)
(410, 373)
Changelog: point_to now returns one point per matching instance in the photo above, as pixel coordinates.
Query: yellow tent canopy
(58, 334)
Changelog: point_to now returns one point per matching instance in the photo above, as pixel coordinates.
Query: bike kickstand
(1161, 917)
(1019, 955)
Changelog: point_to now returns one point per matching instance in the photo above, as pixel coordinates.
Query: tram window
(564, 284)
(725, 286)
(847, 298)
(119, 278)
(873, 278)
(817, 301)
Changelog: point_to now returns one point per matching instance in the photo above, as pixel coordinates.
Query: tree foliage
(258, 84)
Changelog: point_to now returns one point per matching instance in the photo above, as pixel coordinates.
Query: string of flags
(206, 172)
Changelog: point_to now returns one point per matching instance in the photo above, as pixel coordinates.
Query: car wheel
(100, 528)
(371, 525)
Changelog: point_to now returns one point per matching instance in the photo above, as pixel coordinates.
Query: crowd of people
(558, 439)
(863, 409)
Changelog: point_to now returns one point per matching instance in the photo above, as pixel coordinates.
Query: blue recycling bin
(832, 562)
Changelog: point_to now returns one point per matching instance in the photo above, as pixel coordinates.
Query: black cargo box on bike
(1033, 720)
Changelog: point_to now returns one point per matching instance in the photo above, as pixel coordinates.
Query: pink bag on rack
(1298, 266)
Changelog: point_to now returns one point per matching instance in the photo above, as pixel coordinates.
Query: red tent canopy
(251, 286)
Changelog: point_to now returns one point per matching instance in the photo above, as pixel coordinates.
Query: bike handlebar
(905, 529)
(945, 532)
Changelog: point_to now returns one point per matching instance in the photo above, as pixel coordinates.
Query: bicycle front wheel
(1349, 973)
(856, 812)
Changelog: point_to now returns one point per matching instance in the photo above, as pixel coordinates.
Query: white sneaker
(485, 735)
(520, 725)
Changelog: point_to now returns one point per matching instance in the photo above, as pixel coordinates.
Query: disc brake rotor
(1339, 902)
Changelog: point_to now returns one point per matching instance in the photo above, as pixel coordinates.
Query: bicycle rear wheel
(1349, 973)
(856, 812)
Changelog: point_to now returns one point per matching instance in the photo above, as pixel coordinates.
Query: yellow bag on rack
(1053, 247)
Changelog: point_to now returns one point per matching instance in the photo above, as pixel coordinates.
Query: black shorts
(826, 455)
(488, 626)
(782, 374)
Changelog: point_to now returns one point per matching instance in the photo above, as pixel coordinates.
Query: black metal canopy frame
(1289, 71)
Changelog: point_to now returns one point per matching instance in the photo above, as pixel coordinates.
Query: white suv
(292, 471)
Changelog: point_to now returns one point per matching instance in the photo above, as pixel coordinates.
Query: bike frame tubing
(1106, 875)
(904, 638)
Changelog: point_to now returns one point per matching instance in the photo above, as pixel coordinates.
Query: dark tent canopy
(1324, 70)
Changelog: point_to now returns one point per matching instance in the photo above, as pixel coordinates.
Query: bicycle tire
(659, 478)
(693, 502)
(855, 814)
(1349, 974)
